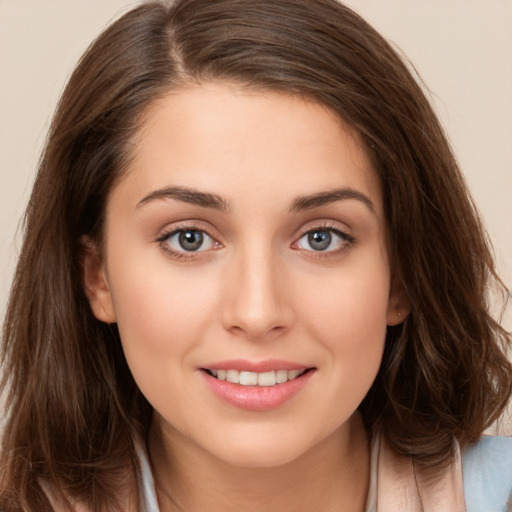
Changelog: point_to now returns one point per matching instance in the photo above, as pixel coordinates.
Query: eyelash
(348, 241)
(163, 240)
(184, 256)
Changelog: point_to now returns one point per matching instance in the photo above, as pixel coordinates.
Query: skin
(256, 289)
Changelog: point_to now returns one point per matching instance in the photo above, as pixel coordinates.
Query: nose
(256, 296)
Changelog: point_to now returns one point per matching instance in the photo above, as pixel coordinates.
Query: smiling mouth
(264, 379)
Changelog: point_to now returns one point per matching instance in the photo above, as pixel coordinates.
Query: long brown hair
(72, 407)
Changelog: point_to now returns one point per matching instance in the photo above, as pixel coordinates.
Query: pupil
(319, 240)
(191, 240)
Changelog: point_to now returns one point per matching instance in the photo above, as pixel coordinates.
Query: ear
(399, 305)
(95, 281)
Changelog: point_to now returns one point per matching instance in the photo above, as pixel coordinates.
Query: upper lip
(245, 365)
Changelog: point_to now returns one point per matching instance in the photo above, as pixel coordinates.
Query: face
(245, 263)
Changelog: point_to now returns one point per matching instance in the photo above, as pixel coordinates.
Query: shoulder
(487, 474)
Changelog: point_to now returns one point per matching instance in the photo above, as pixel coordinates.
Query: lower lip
(257, 398)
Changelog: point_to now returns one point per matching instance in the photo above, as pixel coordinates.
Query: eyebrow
(186, 195)
(300, 203)
(309, 202)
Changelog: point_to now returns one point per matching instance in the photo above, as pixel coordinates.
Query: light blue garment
(487, 473)
(149, 503)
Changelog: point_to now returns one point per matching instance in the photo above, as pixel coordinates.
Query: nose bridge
(257, 302)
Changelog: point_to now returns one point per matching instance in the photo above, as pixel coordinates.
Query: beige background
(461, 48)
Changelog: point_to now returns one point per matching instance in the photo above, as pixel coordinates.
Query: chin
(262, 451)
(254, 459)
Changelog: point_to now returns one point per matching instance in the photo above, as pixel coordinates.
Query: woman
(252, 278)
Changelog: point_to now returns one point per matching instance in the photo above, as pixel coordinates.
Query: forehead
(227, 139)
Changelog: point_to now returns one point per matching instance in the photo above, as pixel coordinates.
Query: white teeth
(293, 373)
(281, 376)
(248, 378)
(233, 376)
(265, 379)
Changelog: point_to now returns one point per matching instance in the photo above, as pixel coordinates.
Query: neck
(331, 477)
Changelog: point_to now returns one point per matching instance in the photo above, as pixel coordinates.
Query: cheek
(161, 312)
(348, 315)
(351, 302)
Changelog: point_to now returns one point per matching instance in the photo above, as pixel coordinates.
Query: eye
(324, 240)
(188, 241)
